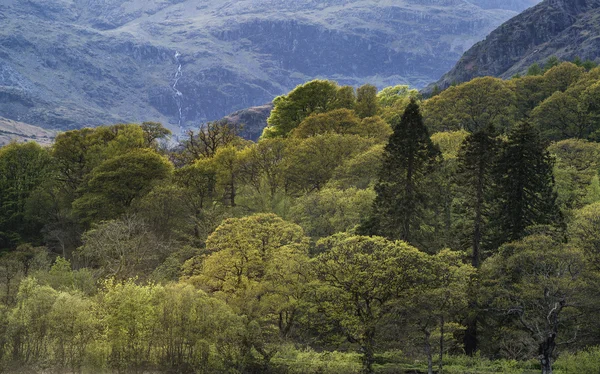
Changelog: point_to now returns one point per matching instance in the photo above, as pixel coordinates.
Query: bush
(587, 361)
(292, 360)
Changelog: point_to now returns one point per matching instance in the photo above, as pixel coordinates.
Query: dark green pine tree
(475, 182)
(475, 187)
(404, 186)
(525, 195)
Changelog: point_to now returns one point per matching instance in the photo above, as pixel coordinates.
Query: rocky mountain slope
(71, 63)
(12, 131)
(563, 28)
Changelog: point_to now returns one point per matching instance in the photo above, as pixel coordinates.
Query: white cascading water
(178, 96)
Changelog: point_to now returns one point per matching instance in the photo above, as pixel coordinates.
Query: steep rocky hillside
(71, 63)
(562, 28)
(21, 132)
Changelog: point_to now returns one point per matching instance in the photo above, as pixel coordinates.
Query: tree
(584, 232)
(194, 329)
(121, 249)
(329, 211)
(23, 168)
(444, 295)
(262, 165)
(340, 121)
(402, 194)
(538, 283)
(74, 325)
(205, 143)
(577, 164)
(359, 171)
(395, 99)
(318, 96)
(524, 181)
(363, 277)
(117, 182)
(559, 117)
(534, 70)
(366, 101)
(154, 131)
(475, 181)
(199, 186)
(475, 185)
(560, 77)
(529, 92)
(258, 264)
(311, 162)
(471, 106)
(227, 166)
(77, 152)
(129, 317)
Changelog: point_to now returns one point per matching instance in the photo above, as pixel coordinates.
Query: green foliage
(340, 121)
(534, 70)
(329, 211)
(240, 290)
(318, 96)
(258, 265)
(308, 361)
(540, 283)
(117, 182)
(586, 361)
(525, 193)
(360, 171)
(476, 161)
(312, 162)
(471, 106)
(402, 190)
(367, 104)
(584, 232)
(395, 99)
(23, 168)
(577, 164)
(361, 278)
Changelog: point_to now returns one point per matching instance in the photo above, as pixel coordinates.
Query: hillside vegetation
(365, 231)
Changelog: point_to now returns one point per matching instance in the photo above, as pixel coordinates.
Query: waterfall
(178, 95)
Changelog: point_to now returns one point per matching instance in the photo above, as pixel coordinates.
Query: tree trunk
(441, 364)
(470, 338)
(428, 351)
(546, 349)
(368, 352)
(477, 222)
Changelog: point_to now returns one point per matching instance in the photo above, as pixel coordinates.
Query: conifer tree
(475, 183)
(524, 180)
(404, 182)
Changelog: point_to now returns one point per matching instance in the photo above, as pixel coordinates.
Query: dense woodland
(364, 232)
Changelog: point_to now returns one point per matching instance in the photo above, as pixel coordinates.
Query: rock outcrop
(563, 28)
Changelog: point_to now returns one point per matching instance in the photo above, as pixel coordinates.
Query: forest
(365, 232)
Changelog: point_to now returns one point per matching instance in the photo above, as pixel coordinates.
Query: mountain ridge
(563, 28)
(72, 63)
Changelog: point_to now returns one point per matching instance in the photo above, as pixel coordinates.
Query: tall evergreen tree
(525, 194)
(404, 182)
(475, 181)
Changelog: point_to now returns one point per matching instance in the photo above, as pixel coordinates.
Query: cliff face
(72, 63)
(562, 28)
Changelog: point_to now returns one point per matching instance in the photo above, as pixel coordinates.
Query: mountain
(563, 28)
(251, 120)
(21, 132)
(71, 63)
